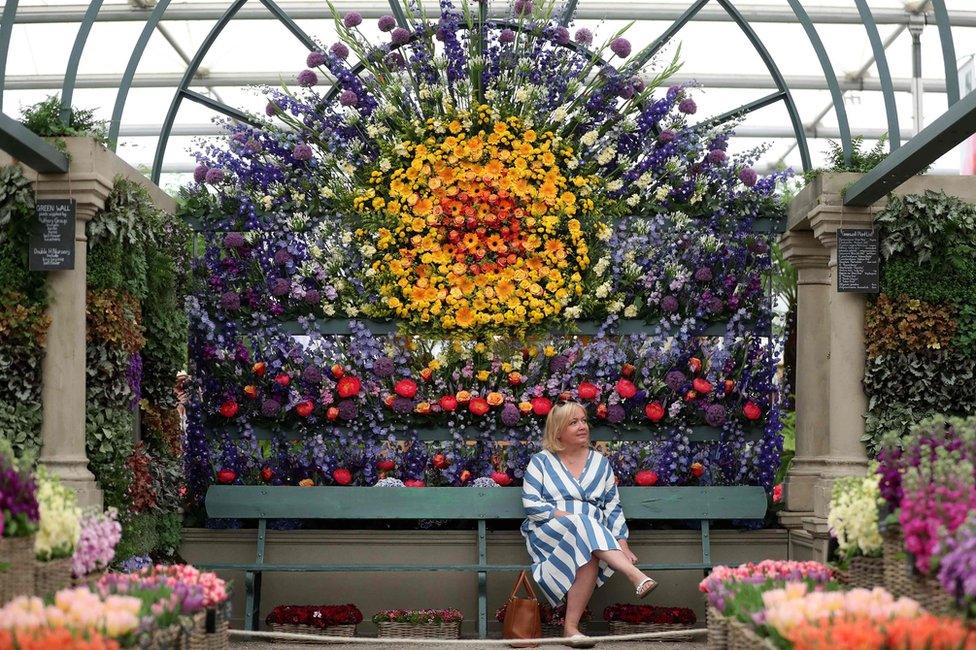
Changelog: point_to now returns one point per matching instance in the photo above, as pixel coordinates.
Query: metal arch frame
(836, 93)
(71, 72)
(648, 52)
(784, 90)
(884, 75)
(948, 50)
(6, 29)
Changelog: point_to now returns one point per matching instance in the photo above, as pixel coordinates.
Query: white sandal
(581, 641)
(641, 592)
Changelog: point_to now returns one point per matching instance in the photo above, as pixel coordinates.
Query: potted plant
(321, 620)
(57, 533)
(18, 524)
(625, 618)
(853, 522)
(419, 623)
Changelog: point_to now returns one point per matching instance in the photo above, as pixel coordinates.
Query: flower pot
(16, 567)
(621, 627)
(217, 626)
(390, 629)
(743, 637)
(718, 629)
(896, 568)
(194, 635)
(345, 630)
(863, 573)
(51, 576)
(929, 593)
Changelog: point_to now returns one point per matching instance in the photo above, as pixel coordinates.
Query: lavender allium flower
(214, 176)
(270, 109)
(510, 415)
(703, 274)
(674, 380)
(584, 36)
(307, 78)
(666, 136)
(340, 50)
(688, 106)
(348, 98)
(615, 414)
(280, 287)
(312, 296)
(230, 301)
(352, 19)
(484, 482)
(270, 408)
(312, 375)
(348, 409)
(506, 36)
(394, 61)
(383, 367)
(561, 35)
(402, 405)
(558, 363)
(389, 482)
(315, 59)
(386, 23)
(234, 240)
(637, 83)
(200, 173)
(669, 304)
(621, 47)
(302, 152)
(717, 157)
(282, 257)
(523, 7)
(400, 36)
(748, 176)
(715, 415)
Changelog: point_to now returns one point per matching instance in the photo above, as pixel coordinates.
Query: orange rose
(525, 407)
(495, 398)
(514, 378)
(422, 408)
(463, 395)
(306, 482)
(388, 400)
(426, 374)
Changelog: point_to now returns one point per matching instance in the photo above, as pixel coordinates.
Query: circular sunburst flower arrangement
(480, 224)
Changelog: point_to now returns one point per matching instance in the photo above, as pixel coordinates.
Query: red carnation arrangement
(320, 616)
(647, 614)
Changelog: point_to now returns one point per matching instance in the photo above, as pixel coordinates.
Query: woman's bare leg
(619, 562)
(579, 594)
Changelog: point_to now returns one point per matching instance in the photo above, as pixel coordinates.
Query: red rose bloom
(478, 405)
(385, 464)
(694, 364)
(645, 478)
(439, 461)
(282, 379)
(654, 411)
(697, 469)
(703, 386)
(229, 408)
(752, 411)
(348, 386)
(414, 482)
(337, 371)
(448, 403)
(266, 474)
(405, 388)
(226, 476)
(541, 405)
(626, 388)
(304, 408)
(259, 368)
(342, 476)
(588, 390)
(502, 478)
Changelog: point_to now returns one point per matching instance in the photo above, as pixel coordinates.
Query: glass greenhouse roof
(255, 48)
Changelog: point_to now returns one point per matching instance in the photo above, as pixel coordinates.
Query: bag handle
(523, 581)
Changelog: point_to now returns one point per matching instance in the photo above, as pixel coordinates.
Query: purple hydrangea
(703, 274)
(312, 296)
(717, 157)
(340, 51)
(748, 176)
(615, 414)
(507, 36)
(280, 287)
(669, 304)
(715, 415)
(386, 23)
(230, 301)
(234, 240)
(270, 408)
(302, 152)
(523, 7)
(352, 19)
(675, 379)
(688, 106)
(307, 78)
(383, 367)
(315, 59)
(400, 36)
(348, 410)
(561, 35)
(200, 173)
(510, 415)
(621, 47)
(584, 36)
(348, 98)
(214, 176)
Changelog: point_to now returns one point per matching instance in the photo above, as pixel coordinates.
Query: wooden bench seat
(704, 504)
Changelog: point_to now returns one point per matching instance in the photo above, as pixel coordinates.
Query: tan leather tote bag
(522, 619)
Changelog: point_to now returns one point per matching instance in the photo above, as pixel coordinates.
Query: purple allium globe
(400, 36)
(230, 301)
(688, 106)
(280, 287)
(715, 415)
(312, 374)
(714, 305)
(615, 414)
(270, 408)
(675, 379)
(703, 274)
(282, 257)
(200, 173)
(386, 23)
(510, 415)
(348, 410)
(558, 363)
(402, 405)
(584, 36)
(717, 157)
(383, 367)
(523, 7)
(234, 240)
(666, 136)
(352, 19)
(561, 35)
(315, 59)
(748, 176)
(621, 47)
(669, 304)
(215, 176)
(507, 36)
(340, 51)
(348, 98)
(312, 297)
(270, 109)
(637, 83)
(307, 78)
(302, 152)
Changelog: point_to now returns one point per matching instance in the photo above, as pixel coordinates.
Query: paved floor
(633, 645)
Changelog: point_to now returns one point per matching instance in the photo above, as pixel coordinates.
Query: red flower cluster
(320, 616)
(637, 614)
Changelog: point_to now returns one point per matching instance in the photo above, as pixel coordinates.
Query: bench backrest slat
(326, 502)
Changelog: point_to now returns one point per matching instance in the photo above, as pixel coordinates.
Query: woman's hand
(561, 513)
(627, 552)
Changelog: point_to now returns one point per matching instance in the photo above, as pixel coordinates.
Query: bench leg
(706, 547)
(252, 600)
(482, 581)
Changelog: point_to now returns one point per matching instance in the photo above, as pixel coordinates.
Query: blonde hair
(557, 420)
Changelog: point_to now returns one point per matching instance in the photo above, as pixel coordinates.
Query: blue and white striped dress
(559, 546)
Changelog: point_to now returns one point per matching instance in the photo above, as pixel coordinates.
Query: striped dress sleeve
(611, 506)
(536, 508)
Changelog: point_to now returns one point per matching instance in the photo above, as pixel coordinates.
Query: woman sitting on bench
(574, 528)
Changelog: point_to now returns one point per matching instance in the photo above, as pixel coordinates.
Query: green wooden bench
(704, 504)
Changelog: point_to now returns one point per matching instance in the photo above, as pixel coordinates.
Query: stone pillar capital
(803, 250)
(88, 189)
(825, 219)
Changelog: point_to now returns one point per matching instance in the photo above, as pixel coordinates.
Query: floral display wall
(481, 219)
(920, 332)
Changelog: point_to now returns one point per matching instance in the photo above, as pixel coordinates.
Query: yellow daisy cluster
(480, 226)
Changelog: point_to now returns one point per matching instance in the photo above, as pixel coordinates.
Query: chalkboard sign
(858, 261)
(52, 242)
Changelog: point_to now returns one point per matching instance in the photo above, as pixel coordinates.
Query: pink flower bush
(788, 570)
(214, 588)
(95, 550)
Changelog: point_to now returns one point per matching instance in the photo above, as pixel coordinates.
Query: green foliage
(940, 280)
(16, 217)
(918, 226)
(44, 119)
(20, 425)
(887, 420)
(861, 160)
(169, 530)
(965, 340)
(140, 535)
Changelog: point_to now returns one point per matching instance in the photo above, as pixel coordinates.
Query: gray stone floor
(656, 645)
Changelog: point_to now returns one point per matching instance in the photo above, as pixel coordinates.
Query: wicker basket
(929, 593)
(167, 638)
(346, 630)
(218, 626)
(864, 573)
(16, 567)
(897, 573)
(718, 629)
(194, 636)
(52, 576)
(742, 637)
(393, 630)
(620, 627)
